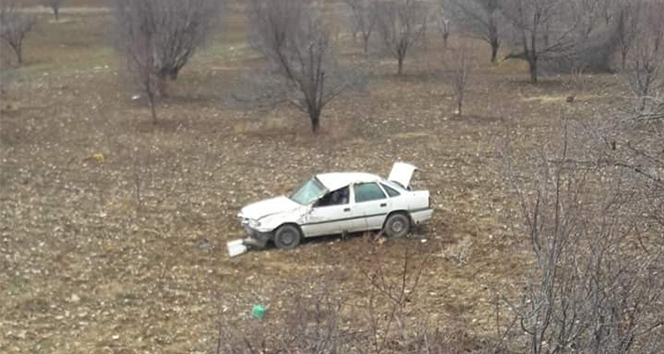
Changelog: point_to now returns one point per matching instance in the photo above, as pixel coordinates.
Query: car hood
(268, 207)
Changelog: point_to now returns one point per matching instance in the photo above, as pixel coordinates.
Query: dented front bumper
(255, 238)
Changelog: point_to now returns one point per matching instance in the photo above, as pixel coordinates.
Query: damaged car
(339, 203)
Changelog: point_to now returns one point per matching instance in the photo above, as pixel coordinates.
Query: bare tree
(14, 27)
(137, 36)
(301, 54)
(401, 24)
(480, 19)
(596, 285)
(158, 37)
(543, 30)
(443, 23)
(588, 15)
(648, 54)
(627, 29)
(608, 10)
(399, 292)
(54, 5)
(363, 19)
(460, 65)
(172, 29)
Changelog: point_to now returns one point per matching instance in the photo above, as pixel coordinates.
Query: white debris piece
(236, 248)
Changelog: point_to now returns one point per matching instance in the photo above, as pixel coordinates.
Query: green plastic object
(258, 312)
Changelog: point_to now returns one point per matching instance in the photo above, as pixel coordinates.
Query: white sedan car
(336, 203)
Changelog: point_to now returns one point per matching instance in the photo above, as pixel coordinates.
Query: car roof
(335, 180)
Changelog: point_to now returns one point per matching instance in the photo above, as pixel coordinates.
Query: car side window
(338, 197)
(391, 191)
(367, 192)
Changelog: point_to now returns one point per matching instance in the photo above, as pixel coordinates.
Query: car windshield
(310, 191)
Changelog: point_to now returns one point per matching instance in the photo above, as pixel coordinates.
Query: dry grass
(84, 271)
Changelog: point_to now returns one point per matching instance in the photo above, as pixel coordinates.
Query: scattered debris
(236, 248)
(258, 312)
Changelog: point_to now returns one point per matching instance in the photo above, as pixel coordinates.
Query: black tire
(287, 237)
(397, 225)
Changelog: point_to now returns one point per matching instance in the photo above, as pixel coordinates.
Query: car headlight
(252, 223)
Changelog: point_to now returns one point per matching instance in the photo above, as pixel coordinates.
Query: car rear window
(391, 191)
(367, 191)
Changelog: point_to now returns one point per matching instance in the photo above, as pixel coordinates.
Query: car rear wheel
(397, 225)
(287, 237)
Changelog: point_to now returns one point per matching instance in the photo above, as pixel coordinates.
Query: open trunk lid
(402, 173)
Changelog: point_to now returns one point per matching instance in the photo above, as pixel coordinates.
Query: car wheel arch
(403, 212)
(296, 225)
(400, 211)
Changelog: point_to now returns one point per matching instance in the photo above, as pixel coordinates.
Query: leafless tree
(137, 38)
(543, 30)
(480, 19)
(460, 67)
(590, 15)
(627, 30)
(398, 291)
(596, 285)
(442, 23)
(401, 24)
(14, 27)
(170, 31)
(644, 68)
(158, 37)
(608, 10)
(363, 20)
(54, 5)
(301, 54)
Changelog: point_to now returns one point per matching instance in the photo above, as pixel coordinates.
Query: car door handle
(346, 209)
(383, 205)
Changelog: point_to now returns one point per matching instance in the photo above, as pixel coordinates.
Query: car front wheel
(397, 225)
(287, 237)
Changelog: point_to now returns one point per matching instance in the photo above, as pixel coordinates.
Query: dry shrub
(596, 284)
(318, 318)
(460, 252)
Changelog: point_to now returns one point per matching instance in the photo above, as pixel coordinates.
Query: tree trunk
(532, 65)
(315, 122)
(173, 74)
(19, 54)
(160, 85)
(56, 13)
(494, 51)
(445, 36)
(494, 39)
(400, 59)
(153, 109)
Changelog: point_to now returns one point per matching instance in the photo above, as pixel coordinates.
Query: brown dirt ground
(83, 270)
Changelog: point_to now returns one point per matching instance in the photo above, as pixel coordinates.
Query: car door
(372, 204)
(331, 214)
